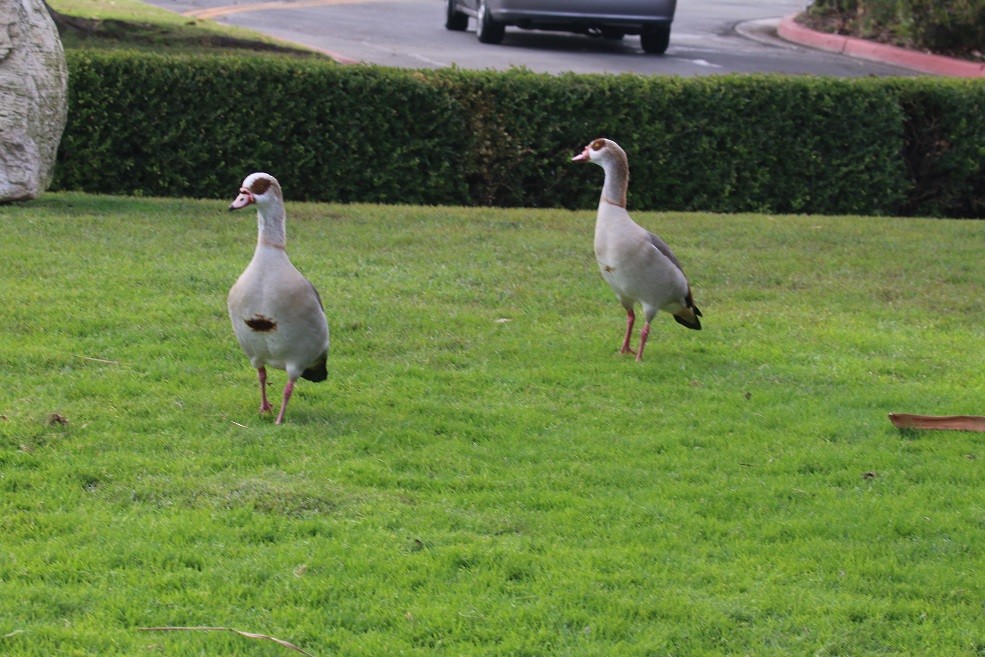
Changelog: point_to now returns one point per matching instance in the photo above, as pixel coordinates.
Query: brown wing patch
(261, 324)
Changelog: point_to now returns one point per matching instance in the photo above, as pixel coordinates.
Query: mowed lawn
(482, 473)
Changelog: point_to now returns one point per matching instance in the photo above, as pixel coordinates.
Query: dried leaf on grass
(248, 635)
(57, 418)
(952, 422)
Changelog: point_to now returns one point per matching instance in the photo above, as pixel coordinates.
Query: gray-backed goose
(276, 313)
(638, 265)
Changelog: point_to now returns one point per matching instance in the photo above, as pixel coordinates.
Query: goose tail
(318, 371)
(688, 316)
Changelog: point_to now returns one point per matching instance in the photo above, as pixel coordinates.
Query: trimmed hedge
(728, 144)
(165, 126)
(171, 126)
(944, 147)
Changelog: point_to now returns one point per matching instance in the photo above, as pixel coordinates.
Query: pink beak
(581, 157)
(245, 198)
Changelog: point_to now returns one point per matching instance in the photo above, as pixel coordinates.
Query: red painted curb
(791, 30)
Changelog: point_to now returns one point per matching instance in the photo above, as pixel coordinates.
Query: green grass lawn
(136, 25)
(482, 474)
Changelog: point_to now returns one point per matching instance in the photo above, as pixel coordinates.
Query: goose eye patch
(597, 145)
(260, 185)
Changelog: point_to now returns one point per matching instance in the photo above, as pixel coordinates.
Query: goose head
(601, 151)
(259, 188)
(612, 158)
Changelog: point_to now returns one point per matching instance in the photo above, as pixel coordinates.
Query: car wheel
(456, 20)
(488, 29)
(655, 40)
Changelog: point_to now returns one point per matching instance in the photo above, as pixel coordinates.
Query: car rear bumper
(629, 15)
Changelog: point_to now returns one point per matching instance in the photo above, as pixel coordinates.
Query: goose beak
(581, 157)
(245, 198)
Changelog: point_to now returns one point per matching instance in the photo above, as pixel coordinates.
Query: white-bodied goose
(638, 265)
(276, 312)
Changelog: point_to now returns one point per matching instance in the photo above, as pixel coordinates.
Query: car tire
(488, 29)
(456, 20)
(655, 40)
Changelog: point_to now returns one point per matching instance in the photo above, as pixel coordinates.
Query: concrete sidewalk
(794, 32)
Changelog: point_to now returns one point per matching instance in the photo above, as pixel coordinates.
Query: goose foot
(643, 336)
(264, 404)
(288, 389)
(630, 320)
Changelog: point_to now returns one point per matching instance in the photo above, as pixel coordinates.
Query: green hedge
(728, 144)
(942, 26)
(164, 126)
(944, 147)
(156, 125)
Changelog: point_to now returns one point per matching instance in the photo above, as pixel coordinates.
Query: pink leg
(630, 320)
(644, 334)
(264, 404)
(288, 389)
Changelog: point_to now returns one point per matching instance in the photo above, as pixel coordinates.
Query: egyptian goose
(276, 312)
(638, 265)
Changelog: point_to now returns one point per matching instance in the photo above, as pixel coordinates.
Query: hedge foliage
(164, 126)
(944, 147)
(951, 26)
(168, 126)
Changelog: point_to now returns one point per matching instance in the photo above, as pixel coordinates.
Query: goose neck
(616, 182)
(271, 227)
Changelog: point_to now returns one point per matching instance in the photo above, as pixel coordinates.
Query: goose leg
(630, 320)
(644, 334)
(264, 404)
(288, 389)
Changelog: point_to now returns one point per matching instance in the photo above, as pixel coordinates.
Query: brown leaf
(954, 422)
(57, 418)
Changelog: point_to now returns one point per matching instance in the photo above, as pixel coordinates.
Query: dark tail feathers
(689, 316)
(318, 371)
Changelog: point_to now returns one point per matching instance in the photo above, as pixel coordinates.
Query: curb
(792, 31)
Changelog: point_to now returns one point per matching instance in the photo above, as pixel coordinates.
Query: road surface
(708, 37)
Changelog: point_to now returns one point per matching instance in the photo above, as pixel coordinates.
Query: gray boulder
(33, 98)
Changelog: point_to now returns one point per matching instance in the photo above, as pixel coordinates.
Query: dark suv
(611, 19)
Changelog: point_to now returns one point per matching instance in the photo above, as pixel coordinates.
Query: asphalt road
(708, 37)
